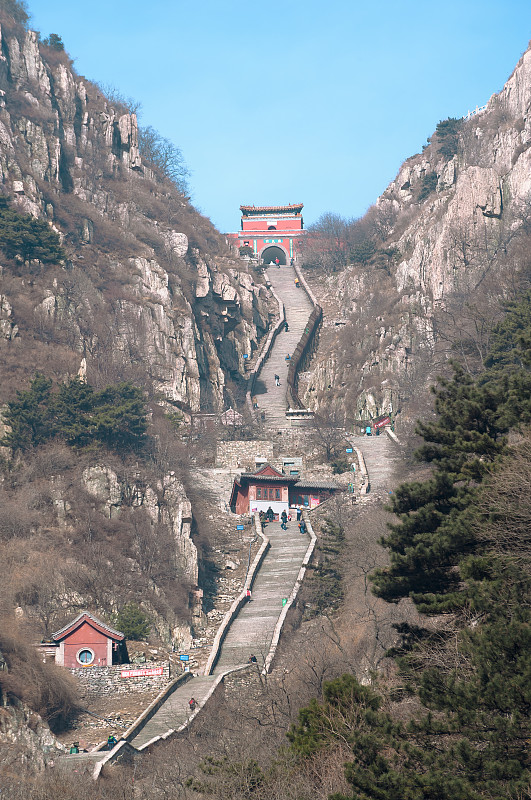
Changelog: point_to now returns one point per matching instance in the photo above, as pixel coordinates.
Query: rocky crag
(147, 293)
(447, 239)
(147, 280)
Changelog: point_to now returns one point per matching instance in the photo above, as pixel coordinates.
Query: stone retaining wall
(305, 347)
(243, 454)
(247, 682)
(108, 680)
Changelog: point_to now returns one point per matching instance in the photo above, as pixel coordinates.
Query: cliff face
(148, 293)
(143, 265)
(451, 230)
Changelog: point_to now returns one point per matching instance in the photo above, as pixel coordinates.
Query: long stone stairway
(252, 630)
(271, 398)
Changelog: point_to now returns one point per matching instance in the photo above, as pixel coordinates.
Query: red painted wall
(287, 224)
(253, 493)
(242, 500)
(85, 636)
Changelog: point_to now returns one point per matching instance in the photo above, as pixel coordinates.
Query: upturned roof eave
(90, 619)
(273, 209)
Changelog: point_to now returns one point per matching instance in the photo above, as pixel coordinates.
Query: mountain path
(271, 398)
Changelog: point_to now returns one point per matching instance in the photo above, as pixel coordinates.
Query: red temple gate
(270, 231)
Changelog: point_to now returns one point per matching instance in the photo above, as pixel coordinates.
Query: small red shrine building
(88, 642)
(271, 231)
(257, 491)
(267, 487)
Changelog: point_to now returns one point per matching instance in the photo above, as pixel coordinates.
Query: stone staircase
(381, 456)
(272, 399)
(175, 711)
(252, 630)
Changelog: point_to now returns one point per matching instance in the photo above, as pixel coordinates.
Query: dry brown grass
(47, 689)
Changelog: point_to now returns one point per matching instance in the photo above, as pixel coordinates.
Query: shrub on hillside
(133, 622)
(17, 9)
(428, 185)
(55, 42)
(28, 238)
(163, 156)
(47, 689)
(447, 132)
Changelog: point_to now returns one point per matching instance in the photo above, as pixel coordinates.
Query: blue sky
(293, 100)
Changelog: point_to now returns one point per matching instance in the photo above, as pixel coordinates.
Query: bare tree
(328, 431)
(164, 156)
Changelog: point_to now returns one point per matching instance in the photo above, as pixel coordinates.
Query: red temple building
(268, 488)
(270, 231)
(88, 642)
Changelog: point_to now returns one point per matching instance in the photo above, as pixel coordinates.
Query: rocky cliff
(450, 239)
(147, 285)
(147, 293)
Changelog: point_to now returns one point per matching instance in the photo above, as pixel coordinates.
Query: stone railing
(305, 346)
(240, 601)
(392, 435)
(266, 349)
(152, 709)
(291, 599)
(364, 475)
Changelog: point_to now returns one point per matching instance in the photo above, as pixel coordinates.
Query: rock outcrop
(147, 293)
(25, 739)
(69, 155)
(450, 221)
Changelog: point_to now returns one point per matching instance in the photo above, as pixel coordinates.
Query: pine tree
(29, 238)
(432, 535)
(114, 416)
(28, 416)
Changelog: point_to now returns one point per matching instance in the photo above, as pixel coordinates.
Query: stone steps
(252, 631)
(175, 710)
(381, 456)
(271, 398)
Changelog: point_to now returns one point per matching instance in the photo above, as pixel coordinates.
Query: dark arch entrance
(271, 253)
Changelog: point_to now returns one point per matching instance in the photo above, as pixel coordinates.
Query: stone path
(271, 398)
(252, 630)
(175, 710)
(381, 457)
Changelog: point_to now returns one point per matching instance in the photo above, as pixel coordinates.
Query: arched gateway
(271, 253)
(270, 231)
